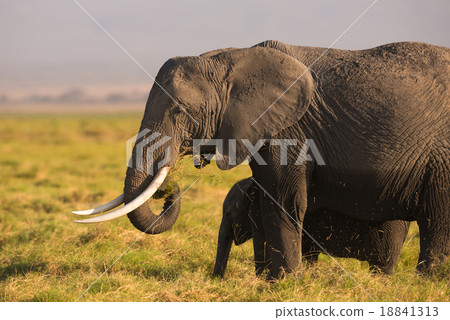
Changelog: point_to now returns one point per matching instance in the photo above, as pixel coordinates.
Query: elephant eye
(179, 108)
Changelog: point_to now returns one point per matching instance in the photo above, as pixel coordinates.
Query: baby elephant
(379, 243)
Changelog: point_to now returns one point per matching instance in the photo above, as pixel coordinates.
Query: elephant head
(232, 95)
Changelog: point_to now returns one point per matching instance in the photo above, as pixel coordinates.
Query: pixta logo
(308, 149)
(145, 144)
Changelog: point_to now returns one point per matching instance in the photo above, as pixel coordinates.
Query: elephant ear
(267, 91)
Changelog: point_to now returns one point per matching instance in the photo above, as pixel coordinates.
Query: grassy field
(51, 165)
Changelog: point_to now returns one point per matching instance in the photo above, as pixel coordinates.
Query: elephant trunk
(139, 177)
(142, 217)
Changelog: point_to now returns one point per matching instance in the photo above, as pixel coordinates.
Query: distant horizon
(81, 95)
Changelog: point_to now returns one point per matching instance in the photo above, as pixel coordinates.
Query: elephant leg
(434, 220)
(387, 239)
(283, 193)
(384, 263)
(283, 236)
(262, 259)
(223, 248)
(434, 244)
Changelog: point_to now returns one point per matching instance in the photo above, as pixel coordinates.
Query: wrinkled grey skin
(379, 118)
(379, 243)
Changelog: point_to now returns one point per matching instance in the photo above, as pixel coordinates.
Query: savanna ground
(51, 165)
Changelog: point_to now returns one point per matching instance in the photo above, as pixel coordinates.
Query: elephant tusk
(106, 207)
(137, 202)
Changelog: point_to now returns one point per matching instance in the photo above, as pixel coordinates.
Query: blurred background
(53, 56)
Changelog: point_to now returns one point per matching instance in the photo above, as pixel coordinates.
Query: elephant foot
(435, 267)
(434, 246)
(378, 269)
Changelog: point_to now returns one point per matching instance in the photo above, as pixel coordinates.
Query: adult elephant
(378, 117)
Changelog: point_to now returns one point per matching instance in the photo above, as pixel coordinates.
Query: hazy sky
(53, 43)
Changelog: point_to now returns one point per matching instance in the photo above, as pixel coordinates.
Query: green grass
(51, 165)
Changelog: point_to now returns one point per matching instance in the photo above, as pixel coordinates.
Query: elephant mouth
(127, 208)
(201, 161)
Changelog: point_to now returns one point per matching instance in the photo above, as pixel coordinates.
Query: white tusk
(136, 203)
(106, 207)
